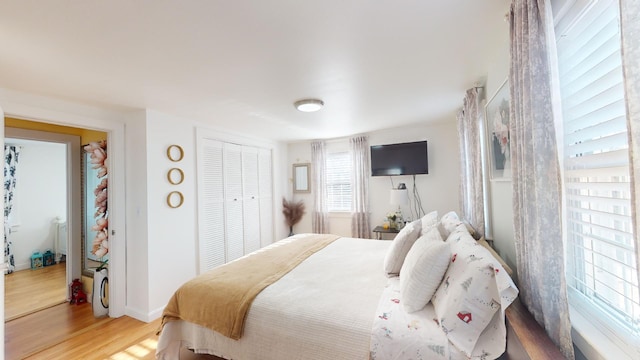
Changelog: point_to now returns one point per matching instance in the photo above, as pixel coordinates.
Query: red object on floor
(77, 295)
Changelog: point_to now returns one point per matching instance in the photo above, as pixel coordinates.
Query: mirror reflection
(301, 178)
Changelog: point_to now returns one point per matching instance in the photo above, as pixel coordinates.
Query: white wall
(298, 153)
(500, 192)
(166, 238)
(438, 190)
(172, 232)
(41, 196)
(137, 247)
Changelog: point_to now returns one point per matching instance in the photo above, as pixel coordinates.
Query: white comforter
(323, 309)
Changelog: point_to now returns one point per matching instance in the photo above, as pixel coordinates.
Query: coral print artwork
(98, 155)
(497, 124)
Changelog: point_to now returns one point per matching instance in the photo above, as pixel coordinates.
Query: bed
(343, 301)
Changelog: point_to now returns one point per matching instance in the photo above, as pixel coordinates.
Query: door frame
(59, 112)
(73, 182)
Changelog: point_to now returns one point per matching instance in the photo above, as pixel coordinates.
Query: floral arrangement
(98, 151)
(292, 212)
(501, 128)
(392, 216)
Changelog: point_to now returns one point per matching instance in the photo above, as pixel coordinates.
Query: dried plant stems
(292, 212)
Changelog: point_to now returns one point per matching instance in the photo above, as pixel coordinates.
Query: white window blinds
(338, 181)
(601, 255)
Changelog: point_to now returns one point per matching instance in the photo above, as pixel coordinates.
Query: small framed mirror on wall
(301, 178)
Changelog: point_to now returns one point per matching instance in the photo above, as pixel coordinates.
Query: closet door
(265, 186)
(211, 217)
(233, 200)
(250, 202)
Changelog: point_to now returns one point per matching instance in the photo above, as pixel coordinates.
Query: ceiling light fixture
(308, 105)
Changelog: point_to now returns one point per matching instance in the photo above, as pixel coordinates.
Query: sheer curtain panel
(536, 170)
(630, 32)
(11, 157)
(320, 214)
(471, 182)
(360, 180)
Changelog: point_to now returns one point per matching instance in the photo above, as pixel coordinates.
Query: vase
(100, 296)
(291, 231)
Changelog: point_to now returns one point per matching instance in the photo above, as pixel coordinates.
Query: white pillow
(448, 223)
(428, 221)
(422, 271)
(400, 247)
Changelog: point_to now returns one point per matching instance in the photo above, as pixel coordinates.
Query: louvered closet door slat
(235, 240)
(264, 172)
(266, 199)
(232, 171)
(250, 204)
(233, 200)
(212, 243)
(251, 212)
(211, 214)
(266, 220)
(249, 172)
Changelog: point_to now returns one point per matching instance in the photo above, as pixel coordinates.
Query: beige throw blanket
(220, 298)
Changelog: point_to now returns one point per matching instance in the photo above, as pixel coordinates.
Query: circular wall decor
(175, 153)
(175, 176)
(175, 199)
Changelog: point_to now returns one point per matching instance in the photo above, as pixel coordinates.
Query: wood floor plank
(71, 332)
(31, 333)
(67, 331)
(121, 338)
(28, 291)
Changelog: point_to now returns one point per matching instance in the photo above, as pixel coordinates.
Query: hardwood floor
(27, 291)
(65, 331)
(71, 332)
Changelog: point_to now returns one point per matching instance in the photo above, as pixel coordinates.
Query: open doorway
(37, 226)
(64, 232)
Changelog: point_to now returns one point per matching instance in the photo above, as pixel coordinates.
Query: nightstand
(379, 230)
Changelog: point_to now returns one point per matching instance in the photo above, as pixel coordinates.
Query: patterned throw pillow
(472, 297)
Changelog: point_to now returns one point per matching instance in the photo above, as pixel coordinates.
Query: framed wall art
(497, 130)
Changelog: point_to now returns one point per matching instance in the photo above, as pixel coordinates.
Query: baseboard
(145, 317)
(22, 266)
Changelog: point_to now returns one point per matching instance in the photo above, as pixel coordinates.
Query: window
(339, 181)
(601, 260)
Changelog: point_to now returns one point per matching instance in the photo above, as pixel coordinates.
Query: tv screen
(399, 159)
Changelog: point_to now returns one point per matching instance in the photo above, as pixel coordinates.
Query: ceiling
(242, 64)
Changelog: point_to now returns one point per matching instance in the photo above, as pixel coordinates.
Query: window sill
(340, 214)
(590, 339)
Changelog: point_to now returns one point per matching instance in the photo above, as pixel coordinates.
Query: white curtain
(11, 157)
(537, 205)
(360, 193)
(471, 183)
(320, 214)
(630, 31)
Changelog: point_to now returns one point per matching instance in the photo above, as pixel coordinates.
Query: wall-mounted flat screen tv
(399, 159)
